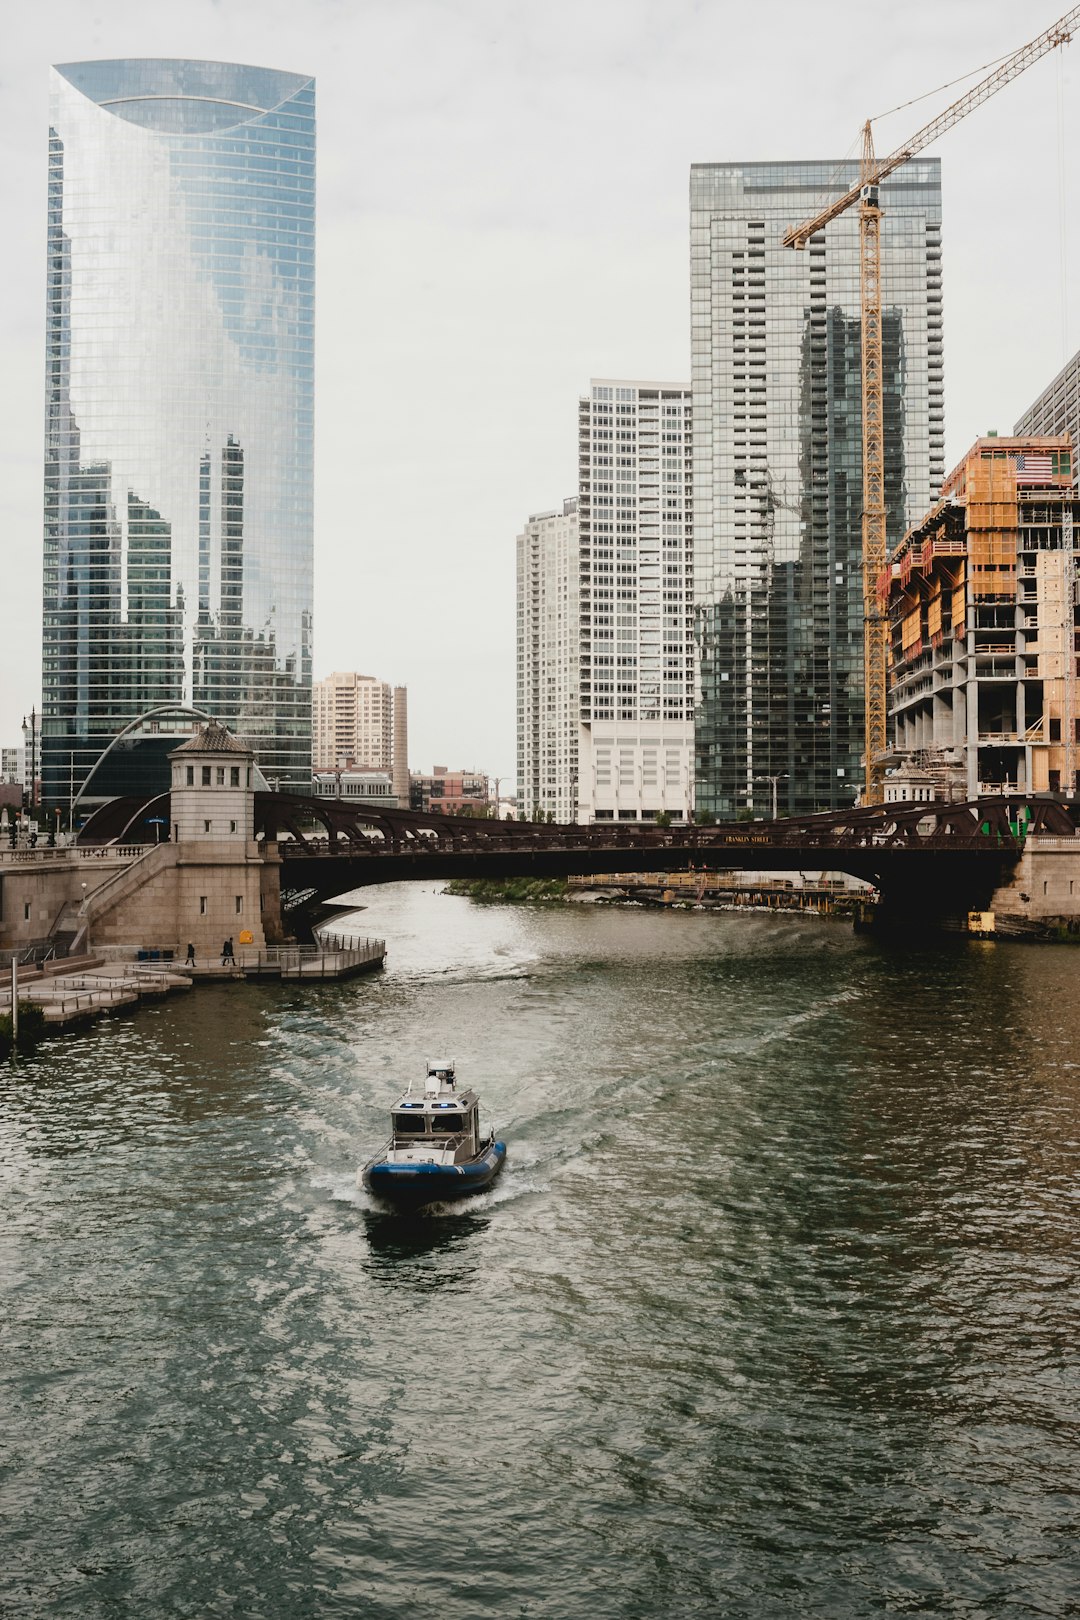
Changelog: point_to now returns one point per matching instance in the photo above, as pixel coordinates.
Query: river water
(773, 1312)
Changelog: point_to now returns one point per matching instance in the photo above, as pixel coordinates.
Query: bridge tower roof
(213, 739)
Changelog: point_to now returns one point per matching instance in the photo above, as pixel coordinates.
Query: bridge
(925, 860)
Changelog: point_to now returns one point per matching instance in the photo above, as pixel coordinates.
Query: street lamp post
(30, 752)
(781, 777)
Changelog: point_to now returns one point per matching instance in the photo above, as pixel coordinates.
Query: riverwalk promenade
(77, 989)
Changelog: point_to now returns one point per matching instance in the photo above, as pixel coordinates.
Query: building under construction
(981, 598)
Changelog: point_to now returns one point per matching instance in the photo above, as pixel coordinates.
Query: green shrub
(508, 891)
(31, 1027)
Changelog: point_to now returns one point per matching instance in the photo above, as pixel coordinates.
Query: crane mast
(872, 171)
(874, 542)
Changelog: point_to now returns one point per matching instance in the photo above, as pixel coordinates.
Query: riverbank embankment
(678, 891)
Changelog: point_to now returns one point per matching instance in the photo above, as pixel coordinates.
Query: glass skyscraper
(179, 412)
(777, 469)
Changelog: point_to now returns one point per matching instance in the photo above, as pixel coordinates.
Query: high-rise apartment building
(179, 413)
(358, 720)
(776, 357)
(548, 651)
(605, 632)
(1057, 410)
(635, 746)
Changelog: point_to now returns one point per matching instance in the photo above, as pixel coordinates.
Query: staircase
(67, 936)
(71, 927)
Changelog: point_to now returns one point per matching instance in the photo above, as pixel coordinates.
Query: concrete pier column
(971, 694)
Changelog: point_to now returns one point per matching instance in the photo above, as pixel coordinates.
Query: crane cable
(837, 181)
(970, 74)
(1063, 218)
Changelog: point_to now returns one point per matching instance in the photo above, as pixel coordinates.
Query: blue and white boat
(436, 1152)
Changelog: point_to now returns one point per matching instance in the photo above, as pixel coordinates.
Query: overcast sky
(502, 214)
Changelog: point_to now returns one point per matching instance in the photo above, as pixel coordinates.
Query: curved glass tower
(179, 398)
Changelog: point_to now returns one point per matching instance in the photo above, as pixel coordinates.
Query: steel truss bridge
(926, 860)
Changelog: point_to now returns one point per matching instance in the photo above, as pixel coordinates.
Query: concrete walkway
(289, 962)
(75, 989)
(99, 987)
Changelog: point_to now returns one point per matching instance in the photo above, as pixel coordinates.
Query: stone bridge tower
(213, 789)
(226, 882)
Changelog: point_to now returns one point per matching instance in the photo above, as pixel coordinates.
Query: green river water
(773, 1312)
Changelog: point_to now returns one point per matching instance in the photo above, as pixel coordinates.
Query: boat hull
(412, 1186)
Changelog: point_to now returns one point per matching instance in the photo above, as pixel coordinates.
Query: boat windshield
(409, 1124)
(448, 1122)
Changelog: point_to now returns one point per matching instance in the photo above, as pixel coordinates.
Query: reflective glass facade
(777, 470)
(179, 401)
(1057, 410)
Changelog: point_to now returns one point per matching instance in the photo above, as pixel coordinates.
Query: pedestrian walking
(227, 953)
(189, 960)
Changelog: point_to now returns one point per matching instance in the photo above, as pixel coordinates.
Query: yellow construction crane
(874, 549)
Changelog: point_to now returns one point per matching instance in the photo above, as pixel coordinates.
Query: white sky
(502, 214)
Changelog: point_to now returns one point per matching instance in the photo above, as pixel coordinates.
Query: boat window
(404, 1123)
(448, 1122)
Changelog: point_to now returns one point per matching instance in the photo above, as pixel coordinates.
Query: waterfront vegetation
(31, 1028)
(771, 896)
(509, 891)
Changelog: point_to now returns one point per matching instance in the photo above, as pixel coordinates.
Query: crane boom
(1059, 34)
(874, 539)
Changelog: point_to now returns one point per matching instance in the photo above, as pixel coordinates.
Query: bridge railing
(704, 839)
(45, 855)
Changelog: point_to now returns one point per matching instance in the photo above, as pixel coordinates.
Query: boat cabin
(441, 1126)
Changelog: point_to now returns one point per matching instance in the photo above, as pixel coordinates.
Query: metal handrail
(91, 997)
(171, 953)
(451, 1140)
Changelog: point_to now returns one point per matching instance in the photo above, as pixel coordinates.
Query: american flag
(1034, 469)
